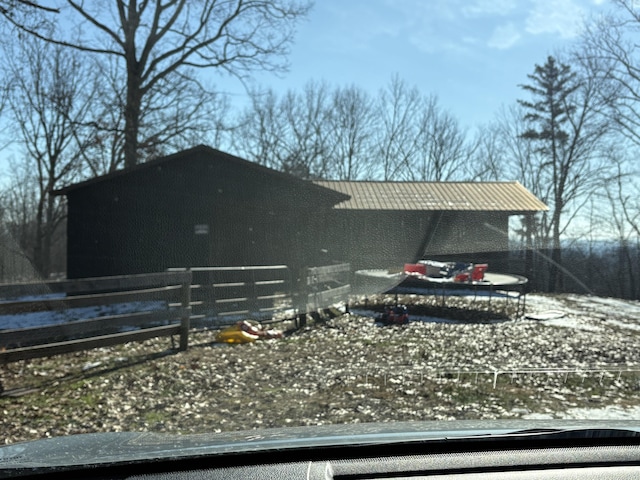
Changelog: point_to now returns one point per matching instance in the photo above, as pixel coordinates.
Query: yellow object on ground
(246, 331)
(236, 335)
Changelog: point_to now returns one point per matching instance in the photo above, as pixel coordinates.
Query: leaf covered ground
(342, 370)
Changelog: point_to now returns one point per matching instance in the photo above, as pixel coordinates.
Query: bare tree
(307, 114)
(566, 127)
(442, 152)
(292, 134)
(103, 150)
(25, 12)
(417, 139)
(353, 126)
(17, 227)
(262, 130)
(345, 134)
(156, 43)
(488, 158)
(50, 100)
(612, 54)
(397, 141)
(623, 217)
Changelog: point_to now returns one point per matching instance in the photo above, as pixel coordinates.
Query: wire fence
(394, 375)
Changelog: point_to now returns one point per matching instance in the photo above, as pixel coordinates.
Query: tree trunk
(132, 121)
(47, 239)
(555, 274)
(528, 253)
(134, 88)
(628, 286)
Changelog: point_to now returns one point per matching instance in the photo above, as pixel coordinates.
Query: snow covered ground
(37, 319)
(610, 412)
(587, 312)
(594, 314)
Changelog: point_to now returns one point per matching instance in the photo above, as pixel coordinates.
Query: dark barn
(390, 223)
(199, 207)
(202, 207)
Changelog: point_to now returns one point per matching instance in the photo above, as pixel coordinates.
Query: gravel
(479, 364)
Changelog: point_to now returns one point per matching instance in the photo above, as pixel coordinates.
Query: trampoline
(514, 287)
(509, 286)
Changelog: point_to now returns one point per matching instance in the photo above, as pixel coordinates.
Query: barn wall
(377, 239)
(194, 212)
(202, 209)
(383, 239)
(478, 237)
(469, 233)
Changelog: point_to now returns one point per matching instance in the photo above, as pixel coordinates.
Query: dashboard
(591, 455)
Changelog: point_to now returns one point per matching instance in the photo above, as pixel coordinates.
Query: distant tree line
(345, 133)
(109, 91)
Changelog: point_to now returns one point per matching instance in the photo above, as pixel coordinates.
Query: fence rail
(93, 284)
(171, 317)
(226, 293)
(223, 293)
(266, 292)
(170, 294)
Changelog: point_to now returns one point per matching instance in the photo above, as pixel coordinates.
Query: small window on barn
(201, 229)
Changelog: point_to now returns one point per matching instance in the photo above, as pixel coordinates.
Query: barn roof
(509, 197)
(213, 155)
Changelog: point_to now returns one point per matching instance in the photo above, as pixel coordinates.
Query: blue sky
(471, 53)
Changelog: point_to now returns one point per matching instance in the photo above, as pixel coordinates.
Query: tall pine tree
(556, 134)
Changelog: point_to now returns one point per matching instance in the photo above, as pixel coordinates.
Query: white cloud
(461, 26)
(560, 17)
(504, 36)
(480, 8)
(423, 23)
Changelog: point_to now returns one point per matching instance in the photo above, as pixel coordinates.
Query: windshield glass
(226, 215)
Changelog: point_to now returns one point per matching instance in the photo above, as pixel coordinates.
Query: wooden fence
(172, 317)
(267, 292)
(221, 294)
(224, 294)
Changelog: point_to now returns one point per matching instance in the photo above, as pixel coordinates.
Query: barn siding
(388, 239)
(145, 220)
(462, 233)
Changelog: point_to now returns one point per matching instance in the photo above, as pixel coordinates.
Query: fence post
(185, 320)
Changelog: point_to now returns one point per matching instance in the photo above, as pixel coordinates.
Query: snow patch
(38, 319)
(573, 323)
(610, 412)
